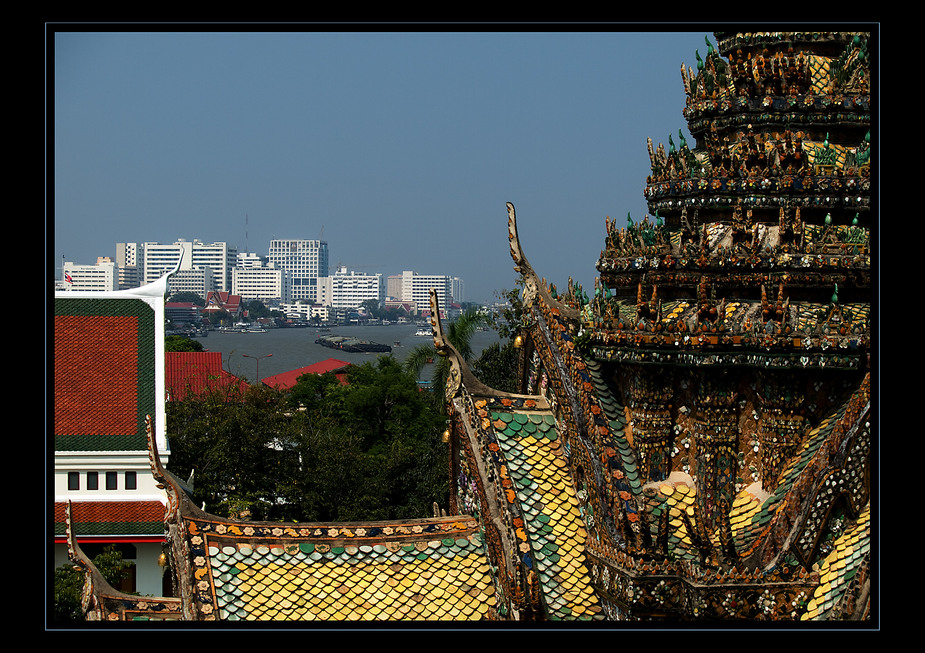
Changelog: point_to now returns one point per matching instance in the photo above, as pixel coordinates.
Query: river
(282, 350)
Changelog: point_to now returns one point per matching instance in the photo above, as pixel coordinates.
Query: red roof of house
(286, 380)
(194, 372)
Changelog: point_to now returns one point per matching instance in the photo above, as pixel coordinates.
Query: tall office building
(458, 289)
(130, 264)
(306, 261)
(220, 257)
(416, 288)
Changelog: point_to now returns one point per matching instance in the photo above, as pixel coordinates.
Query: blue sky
(400, 148)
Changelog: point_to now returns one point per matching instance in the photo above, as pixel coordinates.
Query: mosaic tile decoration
(840, 570)
(555, 532)
(433, 571)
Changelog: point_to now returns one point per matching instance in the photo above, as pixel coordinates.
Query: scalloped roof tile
(423, 570)
(554, 532)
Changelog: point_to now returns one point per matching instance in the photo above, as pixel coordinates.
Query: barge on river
(346, 343)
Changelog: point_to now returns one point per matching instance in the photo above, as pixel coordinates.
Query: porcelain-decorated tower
(716, 380)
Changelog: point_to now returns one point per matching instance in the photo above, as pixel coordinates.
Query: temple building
(691, 439)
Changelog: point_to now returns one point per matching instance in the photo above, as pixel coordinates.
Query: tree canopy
(368, 450)
(182, 343)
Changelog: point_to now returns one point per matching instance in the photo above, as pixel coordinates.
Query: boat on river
(347, 343)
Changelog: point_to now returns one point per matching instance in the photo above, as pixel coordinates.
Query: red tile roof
(112, 511)
(96, 370)
(195, 372)
(286, 380)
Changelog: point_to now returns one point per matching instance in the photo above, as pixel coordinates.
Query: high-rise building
(393, 286)
(416, 288)
(458, 289)
(250, 260)
(198, 279)
(306, 261)
(129, 263)
(220, 257)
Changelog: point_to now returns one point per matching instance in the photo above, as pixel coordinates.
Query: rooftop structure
(108, 389)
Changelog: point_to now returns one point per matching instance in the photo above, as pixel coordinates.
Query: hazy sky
(399, 148)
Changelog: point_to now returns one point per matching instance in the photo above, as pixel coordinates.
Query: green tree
(235, 443)
(371, 449)
(374, 445)
(69, 581)
(496, 367)
(188, 296)
(182, 343)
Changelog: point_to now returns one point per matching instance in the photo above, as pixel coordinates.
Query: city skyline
(399, 149)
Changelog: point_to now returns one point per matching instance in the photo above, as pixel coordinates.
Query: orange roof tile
(194, 372)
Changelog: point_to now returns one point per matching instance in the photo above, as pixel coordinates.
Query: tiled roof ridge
(333, 532)
(554, 532)
(844, 575)
(823, 459)
(613, 461)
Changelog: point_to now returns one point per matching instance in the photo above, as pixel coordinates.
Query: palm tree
(459, 333)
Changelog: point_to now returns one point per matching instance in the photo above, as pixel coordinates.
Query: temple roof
(551, 533)
(112, 519)
(435, 569)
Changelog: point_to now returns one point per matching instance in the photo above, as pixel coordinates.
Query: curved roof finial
(532, 283)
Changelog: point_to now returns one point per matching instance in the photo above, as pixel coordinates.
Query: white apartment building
(130, 263)
(306, 261)
(458, 289)
(250, 260)
(220, 257)
(305, 311)
(260, 282)
(199, 280)
(416, 288)
(101, 277)
(348, 290)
